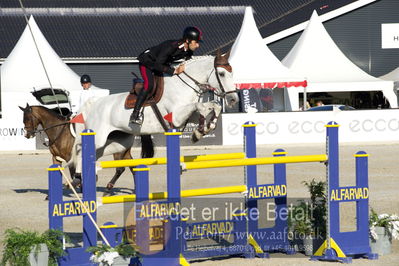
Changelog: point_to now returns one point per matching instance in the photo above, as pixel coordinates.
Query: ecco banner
(309, 127)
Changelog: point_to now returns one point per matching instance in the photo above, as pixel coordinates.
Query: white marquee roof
(318, 58)
(253, 62)
(393, 75)
(23, 70)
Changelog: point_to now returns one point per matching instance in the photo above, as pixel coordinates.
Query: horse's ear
(227, 55)
(28, 108)
(23, 109)
(218, 53)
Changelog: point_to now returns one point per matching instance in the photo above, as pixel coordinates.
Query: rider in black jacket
(157, 60)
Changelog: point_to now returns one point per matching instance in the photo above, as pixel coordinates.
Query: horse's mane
(51, 112)
(198, 58)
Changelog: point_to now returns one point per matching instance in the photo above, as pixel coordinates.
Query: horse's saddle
(154, 96)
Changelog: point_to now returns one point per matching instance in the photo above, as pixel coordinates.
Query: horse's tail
(147, 146)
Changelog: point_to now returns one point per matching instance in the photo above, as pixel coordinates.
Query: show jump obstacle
(177, 231)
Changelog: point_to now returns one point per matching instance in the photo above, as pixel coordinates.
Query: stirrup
(138, 120)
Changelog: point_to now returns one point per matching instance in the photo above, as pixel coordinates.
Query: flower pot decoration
(383, 228)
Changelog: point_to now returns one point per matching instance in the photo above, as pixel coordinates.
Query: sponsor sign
(309, 127)
(213, 138)
(12, 136)
(260, 99)
(390, 35)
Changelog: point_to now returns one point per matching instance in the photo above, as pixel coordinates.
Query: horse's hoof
(107, 193)
(212, 126)
(196, 136)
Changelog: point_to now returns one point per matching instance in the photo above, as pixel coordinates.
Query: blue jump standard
(59, 209)
(339, 246)
(342, 246)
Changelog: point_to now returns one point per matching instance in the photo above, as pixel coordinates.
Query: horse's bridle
(43, 129)
(228, 68)
(34, 131)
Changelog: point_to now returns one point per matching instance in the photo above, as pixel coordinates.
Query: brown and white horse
(61, 140)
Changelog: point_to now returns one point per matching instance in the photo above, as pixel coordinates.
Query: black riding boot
(134, 118)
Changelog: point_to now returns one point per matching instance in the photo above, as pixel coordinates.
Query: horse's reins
(206, 87)
(203, 87)
(56, 138)
(44, 129)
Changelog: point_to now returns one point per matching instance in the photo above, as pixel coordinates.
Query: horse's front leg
(217, 109)
(204, 110)
(181, 116)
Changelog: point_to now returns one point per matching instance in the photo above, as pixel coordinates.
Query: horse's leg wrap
(215, 109)
(199, 132)
(196, 136)
(212, 122)
(201, 124)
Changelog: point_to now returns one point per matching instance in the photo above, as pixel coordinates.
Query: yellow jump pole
(255, 161)
(184, 194)
(162, 160)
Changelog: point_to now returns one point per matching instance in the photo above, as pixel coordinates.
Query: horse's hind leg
(118, 171)
(147, 151)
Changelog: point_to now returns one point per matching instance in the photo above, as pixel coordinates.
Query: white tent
(21, 73)
(254, 65)
(327, 69)
(24, 70)
(393, 76)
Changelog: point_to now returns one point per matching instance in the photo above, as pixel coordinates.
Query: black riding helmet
(192, 33)
(85, 79)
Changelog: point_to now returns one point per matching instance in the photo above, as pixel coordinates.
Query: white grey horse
(181, 97)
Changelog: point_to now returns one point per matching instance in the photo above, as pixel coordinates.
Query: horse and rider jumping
(181, 99)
